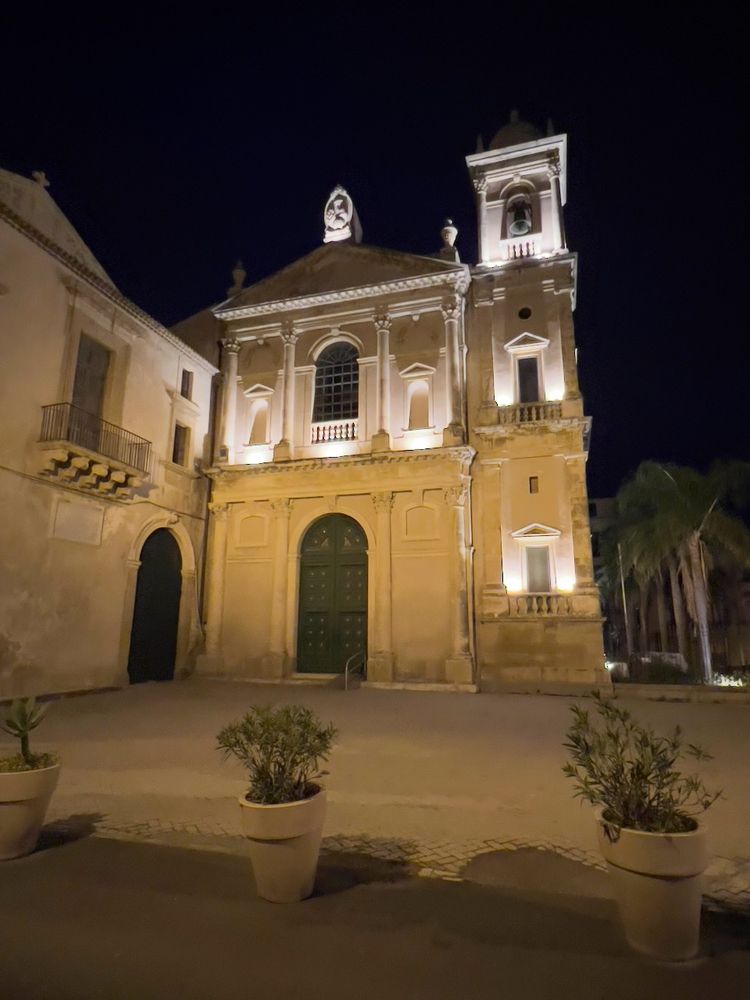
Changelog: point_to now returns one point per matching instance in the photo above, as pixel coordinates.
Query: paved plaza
(434, 780)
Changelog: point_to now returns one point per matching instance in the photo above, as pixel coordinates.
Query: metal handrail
(66, 422)
(360, 652)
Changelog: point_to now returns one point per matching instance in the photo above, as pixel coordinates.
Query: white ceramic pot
(24, 798)
(284, 846)
(658, 884)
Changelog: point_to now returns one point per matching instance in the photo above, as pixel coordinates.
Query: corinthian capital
(219, 510)
(480, 184)
(288, 333)
(382, 502)
(450, 307)
(455, 496)
(553, 167)
(282, 507)
(382, 321)
(231, 345)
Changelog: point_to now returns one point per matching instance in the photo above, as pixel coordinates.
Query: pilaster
(380, 662)
(276, 661)
(381, 440)
(284, 450)
(459, 667)
(212, 660)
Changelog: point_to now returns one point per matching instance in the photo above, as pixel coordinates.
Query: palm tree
(674, 516)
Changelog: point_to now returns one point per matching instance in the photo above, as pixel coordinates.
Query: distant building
(398, 468)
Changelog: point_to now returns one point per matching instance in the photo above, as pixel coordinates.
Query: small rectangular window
(186, 385)
(180, 446)
(533, 484)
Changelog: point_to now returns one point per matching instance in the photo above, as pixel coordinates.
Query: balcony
(333, 430)
(528, 413)
(84, 451)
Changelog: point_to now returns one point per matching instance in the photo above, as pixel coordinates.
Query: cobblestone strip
(727, 879)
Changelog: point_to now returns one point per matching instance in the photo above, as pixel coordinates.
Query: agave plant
(25, 715)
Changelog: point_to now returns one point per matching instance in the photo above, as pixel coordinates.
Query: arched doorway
(332, 595)
(153, 636)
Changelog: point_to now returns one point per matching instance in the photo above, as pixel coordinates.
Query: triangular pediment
(258, 390)
(525, 341)
(338, 267)
(417, 370)
(536, 530)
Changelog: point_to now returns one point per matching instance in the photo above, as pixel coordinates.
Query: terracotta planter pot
(24, 798)
(284, 846)
(658, 884)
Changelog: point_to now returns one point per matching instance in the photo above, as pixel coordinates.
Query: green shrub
(23, 716)
(282, 749)
(630, 772)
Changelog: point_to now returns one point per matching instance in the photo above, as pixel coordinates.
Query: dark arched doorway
(332, 595)
(153, 637)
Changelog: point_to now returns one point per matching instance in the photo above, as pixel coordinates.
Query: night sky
(177, 147)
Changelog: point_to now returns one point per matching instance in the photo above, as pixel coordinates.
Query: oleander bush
(632, 773)
(282, 750)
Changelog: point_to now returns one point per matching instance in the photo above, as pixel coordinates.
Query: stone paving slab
(727, 883)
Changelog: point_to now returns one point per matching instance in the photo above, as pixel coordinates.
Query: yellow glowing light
(504, 400)
(415, 442)
(513, 584)
(258, 455)
(566, 583)
(554, 394)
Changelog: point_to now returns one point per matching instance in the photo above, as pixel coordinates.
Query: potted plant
(647, 824)
(27, 781)
(283, 809)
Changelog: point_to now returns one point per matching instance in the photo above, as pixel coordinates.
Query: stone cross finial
(41, 178)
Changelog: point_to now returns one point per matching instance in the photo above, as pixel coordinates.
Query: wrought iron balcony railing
(66, 422)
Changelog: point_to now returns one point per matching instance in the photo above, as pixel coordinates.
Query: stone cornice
(462, 454)
(96, 283)
(457, 281)
(529, 429)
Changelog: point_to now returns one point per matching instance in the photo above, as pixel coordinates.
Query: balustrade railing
(519, 249)
(539, 605)
(334, 430)
(66, 422)
(528, 413)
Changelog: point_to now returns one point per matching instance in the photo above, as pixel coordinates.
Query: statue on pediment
(340, 217)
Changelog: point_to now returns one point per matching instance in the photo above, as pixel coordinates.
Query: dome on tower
(515, 132)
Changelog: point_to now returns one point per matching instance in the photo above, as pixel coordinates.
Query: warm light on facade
(566, 583)
(513, 584)
(554, 394)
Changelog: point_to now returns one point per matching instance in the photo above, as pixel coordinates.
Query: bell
(520, 219)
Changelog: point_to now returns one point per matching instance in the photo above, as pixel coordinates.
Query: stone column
(212, 662)
(380, 663)
(579, 516)
(459, 667)
(558, 229)
(276, 660)
(454, 432)
(480, 186)
(381, 440)
(284, 450)
(230, 350)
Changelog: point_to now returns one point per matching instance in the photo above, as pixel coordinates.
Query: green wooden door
(332, 595)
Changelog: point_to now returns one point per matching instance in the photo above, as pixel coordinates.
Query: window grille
(337, 384)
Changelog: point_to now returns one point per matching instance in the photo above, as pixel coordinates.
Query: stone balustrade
(334, 430)
(540, 605)
(528, 413)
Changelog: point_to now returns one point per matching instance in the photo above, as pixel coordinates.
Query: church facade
(399, 484)
(382, 474)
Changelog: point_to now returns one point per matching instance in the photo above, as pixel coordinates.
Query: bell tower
(538, 615)
(520, 187)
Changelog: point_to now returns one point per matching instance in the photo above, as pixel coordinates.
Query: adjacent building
(105, 427)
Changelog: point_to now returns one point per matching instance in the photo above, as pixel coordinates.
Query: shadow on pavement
(339, 871)
(63, 831)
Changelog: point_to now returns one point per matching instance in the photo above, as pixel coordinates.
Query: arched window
(336, 384)
(419, 404)
(258, 422)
